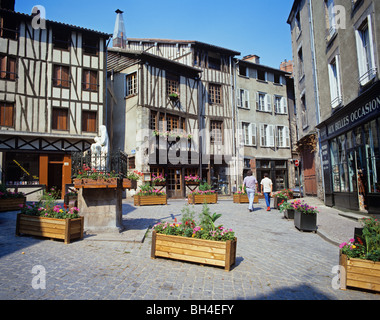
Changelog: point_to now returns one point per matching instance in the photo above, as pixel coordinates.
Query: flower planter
(305, 222)
(202, 198)
(159, 183)
(214, 253)
(289, 214)
(362, 274)
(67, 230)
(243, 198)
(96, 184)
(11, 204)
(192, 183)
(150, 200)
(129, 184)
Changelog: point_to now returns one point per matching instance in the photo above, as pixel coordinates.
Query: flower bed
(46, 219)
(240, 197)
(10, 201)
(202, 243)
(93, 179)
(361, 259)
(150, 196)
(305, 216)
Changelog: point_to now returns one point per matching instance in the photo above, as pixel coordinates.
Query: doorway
(174, 183)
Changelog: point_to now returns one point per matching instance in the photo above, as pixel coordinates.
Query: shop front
(351, 154)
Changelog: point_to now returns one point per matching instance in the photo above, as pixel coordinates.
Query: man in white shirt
(267, 189)
(250, 183)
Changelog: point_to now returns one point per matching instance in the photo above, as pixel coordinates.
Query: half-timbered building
(52, 97)
(153, 113)
(215, 103)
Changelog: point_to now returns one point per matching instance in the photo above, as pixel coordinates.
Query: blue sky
(248, 26)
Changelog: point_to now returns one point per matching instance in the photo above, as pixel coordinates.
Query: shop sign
(356, 115)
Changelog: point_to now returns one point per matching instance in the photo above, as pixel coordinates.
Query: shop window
(21, 168)
(335, 165)
(6, 114)
(343, 168)
(89, 121)
(373, 156)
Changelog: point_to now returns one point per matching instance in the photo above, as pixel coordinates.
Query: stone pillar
(102, 209)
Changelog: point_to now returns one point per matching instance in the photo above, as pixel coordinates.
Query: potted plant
(204, 194)
(158, 180)
(287, 209)
(305, 216)
(192, 180)
(49, 220)
(92, 178)
(148, 195)
(10, 201)
(174, 96)
(361, 259)
(71, 199)
(241, 196)
(202, 242)
(130, 182)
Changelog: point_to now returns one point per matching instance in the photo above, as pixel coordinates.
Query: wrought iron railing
(114, 162)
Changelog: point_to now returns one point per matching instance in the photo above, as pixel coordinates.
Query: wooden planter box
(150, 200)
(362, 274)
(200, 198)
(305, 222)
(192, 183)
(243, 198)
(67, 230)
(214, 253)
(11, 204)
(129, 184)
(96, 184)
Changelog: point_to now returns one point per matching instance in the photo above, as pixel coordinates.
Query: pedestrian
(250, 183)
(267, 189)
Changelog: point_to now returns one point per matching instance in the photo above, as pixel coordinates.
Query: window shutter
(287, 137)
(268, 102)
(253, 134)
(238, 95)
(257, 101)
(284, 102)
(12, 68)
(246, 96)
(262, 135)
(278, 144)
(271, 135)
(3, 67)
(337, 59)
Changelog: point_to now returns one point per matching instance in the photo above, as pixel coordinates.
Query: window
(243, 99)
(305, 120)
(90, 45)
(261, 75)
(373, 156)
(301, 71)
(298, 23)
(283, 139)
(60, 119)
(365, 50)
(214, 63)
(90, 80)
(61, 39)
(215, 93)
(131, 84)
(334, 77)
(8, 68)
(280, 105)
(249, 133)
(243, 71)
(277, 79)
(89, 121)
(153, 125)
(6, 114)
(167, 122)
(61, 77)
(263, 102)
(330, 18)
(216, 129)
(266, 135)
(172, 84)
(9, 28)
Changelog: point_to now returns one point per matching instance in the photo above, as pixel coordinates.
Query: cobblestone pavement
(274, 261)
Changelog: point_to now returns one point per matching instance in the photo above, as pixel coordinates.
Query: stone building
(341, 72)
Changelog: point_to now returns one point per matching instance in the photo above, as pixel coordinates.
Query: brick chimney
(287, 66)
(7, 4)
(252, 58)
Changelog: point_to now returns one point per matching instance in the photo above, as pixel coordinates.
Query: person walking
(250, 183)
(267, 189)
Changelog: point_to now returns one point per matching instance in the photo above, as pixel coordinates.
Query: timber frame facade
(208, 98)
(52, 96)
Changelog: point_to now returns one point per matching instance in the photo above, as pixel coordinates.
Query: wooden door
(174, 184)
(310, 177)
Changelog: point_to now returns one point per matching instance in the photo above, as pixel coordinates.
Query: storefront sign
(360, 113)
